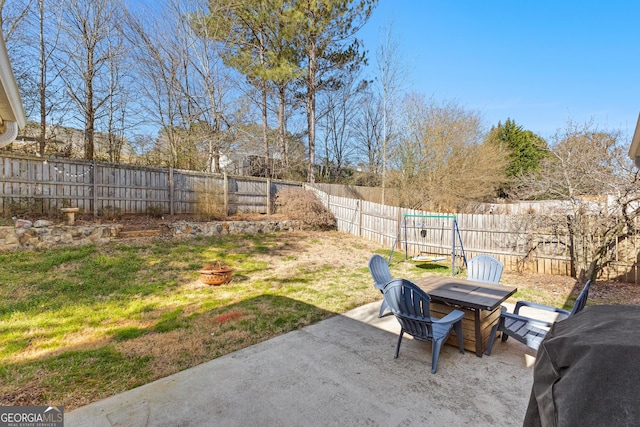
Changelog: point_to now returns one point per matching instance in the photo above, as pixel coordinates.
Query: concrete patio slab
(338, 372)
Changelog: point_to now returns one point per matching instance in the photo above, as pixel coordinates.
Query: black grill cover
(587, 370)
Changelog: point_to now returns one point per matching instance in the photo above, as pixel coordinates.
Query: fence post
(268, 196)
(171, 201)
(398, 224)
(94, 173)
(226, 194)
(360, 202)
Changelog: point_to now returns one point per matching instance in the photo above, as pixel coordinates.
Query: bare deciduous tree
(368, 135)
(185, 87)
(16, 21)
(117, 113)
(213, 86)
(89, 28)
(12, 15)
(391, 76)
(47, 45)
(440, 163)
(340, 106)
(589, 171)
(32, 29)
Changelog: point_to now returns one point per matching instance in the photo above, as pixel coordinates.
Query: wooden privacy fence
(39, 186)
(513, 239)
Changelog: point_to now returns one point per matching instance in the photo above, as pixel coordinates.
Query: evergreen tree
(326, 36)
(525, 148)
(257, 36)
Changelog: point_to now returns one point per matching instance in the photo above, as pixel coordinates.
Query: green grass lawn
(81, 323)
(78, 324)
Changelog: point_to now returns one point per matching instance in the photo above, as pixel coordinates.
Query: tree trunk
(578, 247)
(265, 128)
(216, 158)
(282, 127)
(89, 113)
(311, 110)
(43, 83)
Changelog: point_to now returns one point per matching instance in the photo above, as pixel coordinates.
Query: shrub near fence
(39, 186)
(510, 238)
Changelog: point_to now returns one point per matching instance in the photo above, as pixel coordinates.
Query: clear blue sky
(539, 63)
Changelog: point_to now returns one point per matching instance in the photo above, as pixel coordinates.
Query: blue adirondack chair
(528, 330)
(379, 269)
(410, 305)
(484, 268)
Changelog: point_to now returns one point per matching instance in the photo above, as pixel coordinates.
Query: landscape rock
(23, 223)
(11, 240)
(42, 223)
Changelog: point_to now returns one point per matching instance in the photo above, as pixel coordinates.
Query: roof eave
(634, 150)
(9, 91)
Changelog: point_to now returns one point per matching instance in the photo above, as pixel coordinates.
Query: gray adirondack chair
(484, 268)
(379, 269)
(410, 305)
(528, 330)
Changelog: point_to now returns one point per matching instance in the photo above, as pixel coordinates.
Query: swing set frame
(403, 237)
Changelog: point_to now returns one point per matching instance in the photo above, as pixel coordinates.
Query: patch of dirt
(31, 392)
(600, 292)
(611, 292)
(563, 285)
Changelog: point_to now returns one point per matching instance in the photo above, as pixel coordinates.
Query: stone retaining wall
(25, 235)
(193, 229)
(48, 236)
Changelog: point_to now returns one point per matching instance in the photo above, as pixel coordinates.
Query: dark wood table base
(479, 301)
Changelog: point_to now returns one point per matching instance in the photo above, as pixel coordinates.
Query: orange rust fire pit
(216, 274)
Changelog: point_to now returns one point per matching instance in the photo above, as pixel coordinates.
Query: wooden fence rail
(39, 186)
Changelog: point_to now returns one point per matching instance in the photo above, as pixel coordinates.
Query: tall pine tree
(257, 37)
(327, 38)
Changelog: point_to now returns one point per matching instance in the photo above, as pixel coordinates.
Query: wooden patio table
(480, 302)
